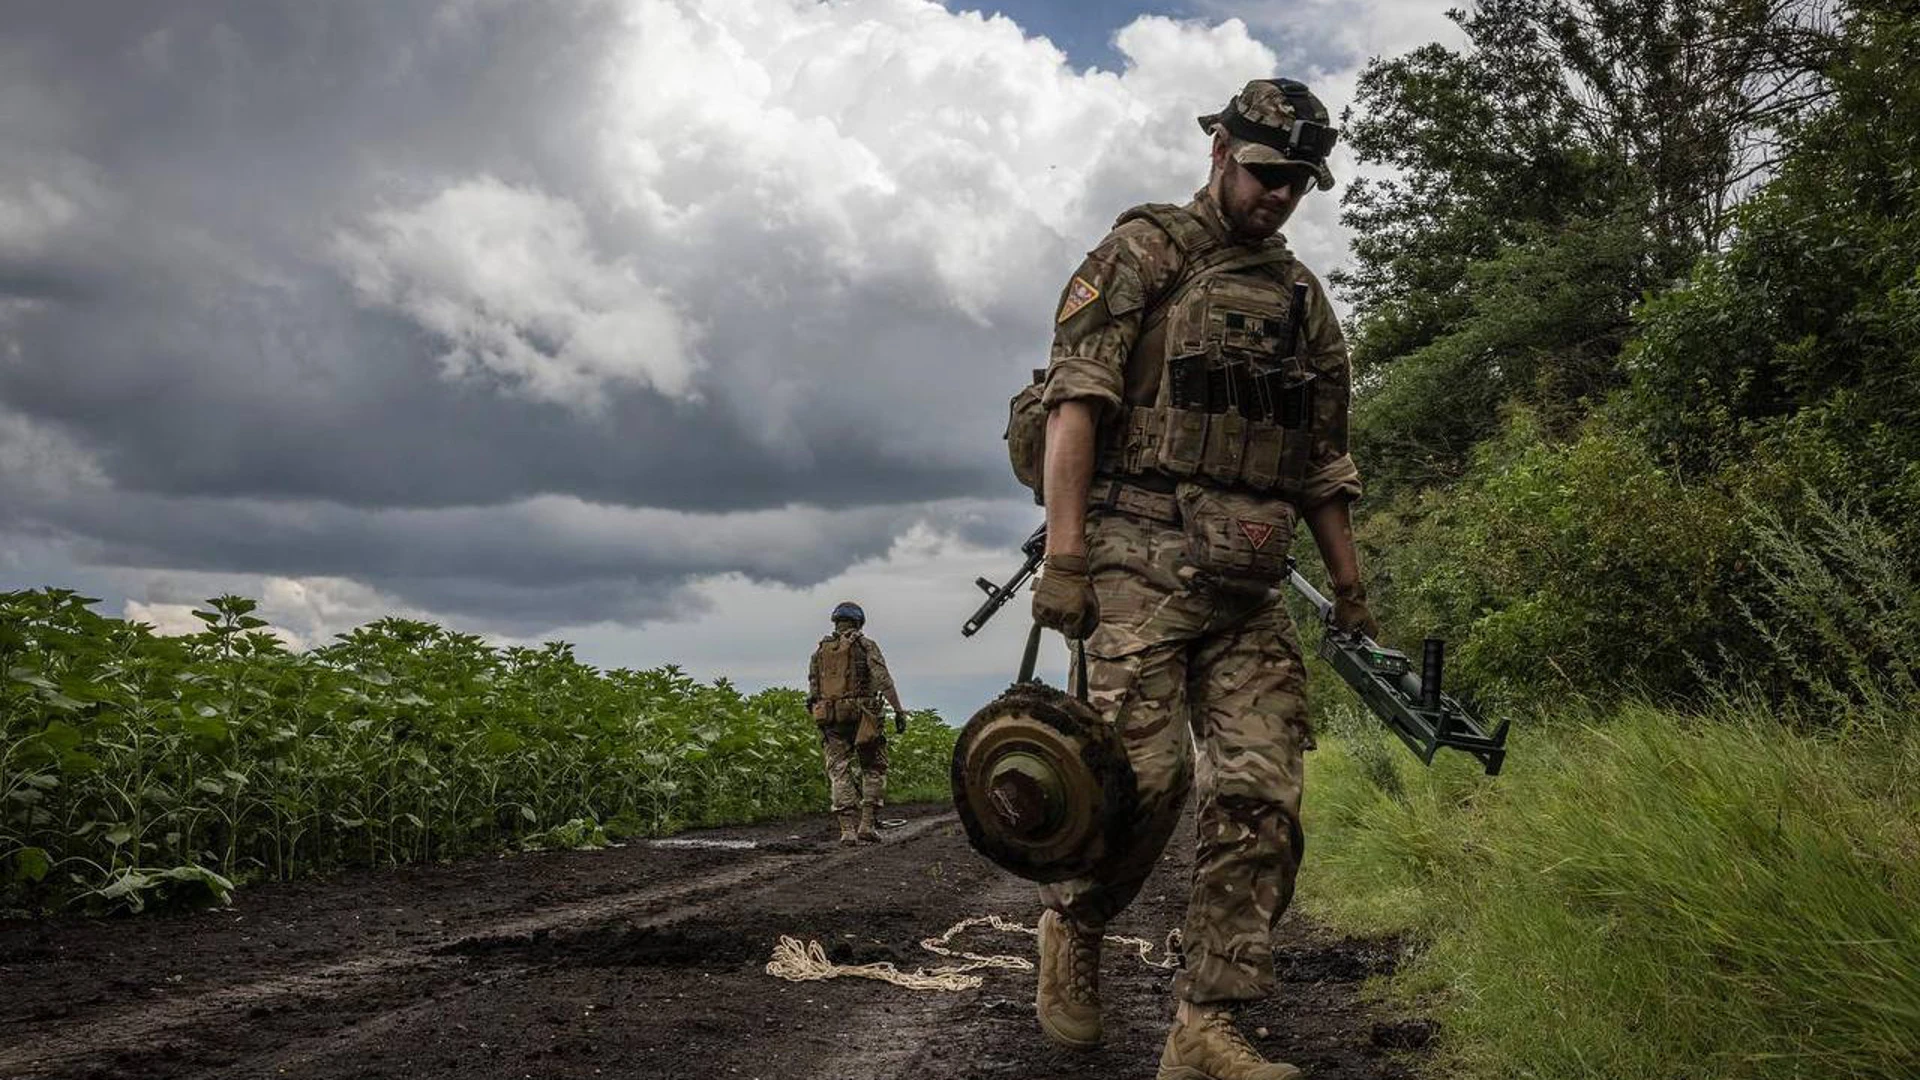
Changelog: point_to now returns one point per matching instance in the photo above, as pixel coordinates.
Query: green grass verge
(1650, 896)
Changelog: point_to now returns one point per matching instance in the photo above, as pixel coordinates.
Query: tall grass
(1656, 896)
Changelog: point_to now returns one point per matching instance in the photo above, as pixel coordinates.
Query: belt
(1148, 495)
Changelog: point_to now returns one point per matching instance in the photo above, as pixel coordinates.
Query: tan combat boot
(867, 832)
(1068, 996)
(847, 836)
(1205, 1045)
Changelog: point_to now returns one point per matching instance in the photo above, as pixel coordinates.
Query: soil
(646, 960)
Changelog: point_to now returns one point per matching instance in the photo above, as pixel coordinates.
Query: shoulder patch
(1079, 294)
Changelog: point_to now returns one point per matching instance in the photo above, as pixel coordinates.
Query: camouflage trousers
(848, 788)
(1179, 663)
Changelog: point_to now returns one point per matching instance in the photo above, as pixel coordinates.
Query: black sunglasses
(1271, 176)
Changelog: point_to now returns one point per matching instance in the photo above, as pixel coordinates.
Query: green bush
(1561, 568)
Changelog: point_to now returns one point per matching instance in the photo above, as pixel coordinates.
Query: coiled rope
(798, 961)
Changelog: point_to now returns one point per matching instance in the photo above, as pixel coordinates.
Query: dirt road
(642, 961)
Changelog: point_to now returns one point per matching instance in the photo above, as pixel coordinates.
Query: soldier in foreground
(1196, 399)
(846, 682)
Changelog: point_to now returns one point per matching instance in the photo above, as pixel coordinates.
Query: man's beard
(1245, 221)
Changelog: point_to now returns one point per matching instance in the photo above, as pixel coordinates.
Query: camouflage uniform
(839, 745)
(1177, 648)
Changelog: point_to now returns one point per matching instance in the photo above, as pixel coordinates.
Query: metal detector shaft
(1408, 702)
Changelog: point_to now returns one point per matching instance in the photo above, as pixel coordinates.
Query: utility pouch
(1026, 434)
(1237, 536)
(1266, 445)
(855, 713)
(1226, 446)
(1293, 406)
(1183, 441)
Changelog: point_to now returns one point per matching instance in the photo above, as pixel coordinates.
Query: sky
(654, 326)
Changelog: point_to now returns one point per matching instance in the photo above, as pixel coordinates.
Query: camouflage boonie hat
(1278, 122)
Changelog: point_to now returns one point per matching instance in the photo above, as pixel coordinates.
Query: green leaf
(31, 678)
(204, 886)
(207, 727)
(31, 864)
(527, 812)
(118, 835)
(60, 736)
(128, 885)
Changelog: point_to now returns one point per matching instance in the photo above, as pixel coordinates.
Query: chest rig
(1233, 402)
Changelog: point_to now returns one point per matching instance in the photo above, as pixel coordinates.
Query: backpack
(1026, 434)
(843, 668)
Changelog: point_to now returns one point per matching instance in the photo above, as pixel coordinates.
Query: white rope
(798, 961)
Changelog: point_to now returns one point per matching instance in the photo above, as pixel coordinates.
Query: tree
(1595, 143)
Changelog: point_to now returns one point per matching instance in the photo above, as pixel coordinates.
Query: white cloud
(891, 140)
(508, 276)
(172, 620)
(308, 611)
(304, 613)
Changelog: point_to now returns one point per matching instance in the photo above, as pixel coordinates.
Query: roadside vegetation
(1637, 348)
(140, 769)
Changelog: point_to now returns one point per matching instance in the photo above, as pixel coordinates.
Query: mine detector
(1042, 784)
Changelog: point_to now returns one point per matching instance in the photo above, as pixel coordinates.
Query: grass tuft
(1655, 897)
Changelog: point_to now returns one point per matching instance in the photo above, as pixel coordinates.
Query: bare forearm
(1331, 523)
(1068, 474)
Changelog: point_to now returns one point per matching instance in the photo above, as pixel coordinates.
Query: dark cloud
(201, 345)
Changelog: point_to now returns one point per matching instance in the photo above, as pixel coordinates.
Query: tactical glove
(1350, 611)
(1063, 598)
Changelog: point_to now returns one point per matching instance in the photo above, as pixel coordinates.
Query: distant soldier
(846, 682)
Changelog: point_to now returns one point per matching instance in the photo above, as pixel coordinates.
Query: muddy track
(642, 961)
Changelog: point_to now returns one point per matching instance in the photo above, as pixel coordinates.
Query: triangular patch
(1257, 531)
(1080, 293)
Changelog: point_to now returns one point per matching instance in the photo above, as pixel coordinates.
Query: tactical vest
(1215, 388)
(1233, 401)
(843, 668)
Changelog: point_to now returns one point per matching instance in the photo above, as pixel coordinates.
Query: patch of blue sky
(1083, 29)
